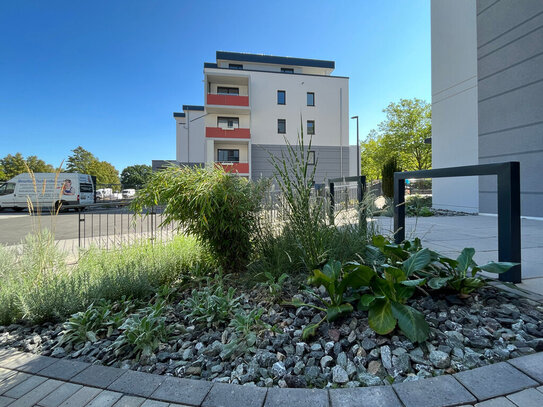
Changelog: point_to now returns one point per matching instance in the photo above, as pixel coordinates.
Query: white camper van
(67, 190)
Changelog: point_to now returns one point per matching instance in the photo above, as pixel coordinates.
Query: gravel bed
(488, 327)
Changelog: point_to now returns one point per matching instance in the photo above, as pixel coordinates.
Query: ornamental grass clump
(219, 208)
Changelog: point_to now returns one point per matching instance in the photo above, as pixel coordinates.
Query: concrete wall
(333, 162)
(190, 137)
(510, 82)
(454, 101)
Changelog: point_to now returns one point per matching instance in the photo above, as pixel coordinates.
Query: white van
(67, 190)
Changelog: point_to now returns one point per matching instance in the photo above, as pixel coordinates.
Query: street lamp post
(357, 148)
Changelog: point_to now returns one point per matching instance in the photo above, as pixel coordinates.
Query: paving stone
(494, 380)
(532, 365)
(154, 403)
(105, 399)
(540, 388)
(98, 376)
(231, 395)
(433, 392)
(6, 355)
(527, 398)
(4, 401)
(36, 394)
(81, 397)
(13, 381)
(60, 395)
(184, 391)
(137, 383)
(296, 398)
(129, 401)
(497, 402)
(24, 387)
(375, 396)
(5, 373)
(64, 369)
(27, 362)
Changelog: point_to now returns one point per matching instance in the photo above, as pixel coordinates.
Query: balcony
(227, 100)
(218, 132)
(240, 168)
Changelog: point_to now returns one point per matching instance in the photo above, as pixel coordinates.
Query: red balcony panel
(241, 168)
(227, 100)
(217, 132)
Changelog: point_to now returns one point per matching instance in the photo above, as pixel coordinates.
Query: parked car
(129, 193)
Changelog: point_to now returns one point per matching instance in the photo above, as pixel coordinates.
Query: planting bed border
(26, 375)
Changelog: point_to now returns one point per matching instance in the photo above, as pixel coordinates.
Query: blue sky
(107, 75)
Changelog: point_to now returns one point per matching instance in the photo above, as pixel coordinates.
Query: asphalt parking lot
(95, 221)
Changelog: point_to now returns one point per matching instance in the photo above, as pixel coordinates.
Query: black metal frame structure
(509, 244)
(361, 188)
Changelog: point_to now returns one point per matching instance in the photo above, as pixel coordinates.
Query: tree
(402, 136)
(80, 161)
(12, 165)
(105, 172)
(136, 176)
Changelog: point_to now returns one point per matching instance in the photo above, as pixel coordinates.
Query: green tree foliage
(105, 172)
(401, 135)
(136, 176)
(12, 165)
(387, 172)
(85, 162)
(80, 161)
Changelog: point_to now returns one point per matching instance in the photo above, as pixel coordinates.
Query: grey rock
(326, 361)
(58, 353)
(339, 375)
(214, 349)
(440, 359)
(278, 369)
(295, 381)
(316, 347)
(298, 367)
(367, 379)
(386, 357)
(312, 372)
(217, 368)
(300, 348)
(401, 364)
(342, 359)
(352, 337)
(368, 344)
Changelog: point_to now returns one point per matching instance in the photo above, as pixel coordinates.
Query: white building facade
(487, 98)
(253, 103)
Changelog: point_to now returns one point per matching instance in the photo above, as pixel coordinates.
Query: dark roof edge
(210, 65)
(193, 107)
(177, 114)
(284, 73)
(271, 59)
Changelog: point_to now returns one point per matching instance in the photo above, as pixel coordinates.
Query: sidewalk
(448, 235)
(32, 380)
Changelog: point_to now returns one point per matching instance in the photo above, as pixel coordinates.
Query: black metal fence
(108, 226)
(509, 246)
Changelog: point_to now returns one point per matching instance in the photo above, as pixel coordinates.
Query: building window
(311, 127)
(228, 122)
(223, 90)
(281, 97)
(281, 126)
(227, 156)
(310, 99)
(287, 70)
(311, 157)
(235, 66)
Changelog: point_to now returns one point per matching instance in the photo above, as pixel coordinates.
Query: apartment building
(487, 98)
(253, 103)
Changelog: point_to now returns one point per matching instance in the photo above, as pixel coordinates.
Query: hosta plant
(211, 305)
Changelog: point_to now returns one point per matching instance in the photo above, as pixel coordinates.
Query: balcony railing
(227, 100)
(218, 132)
(237, 167)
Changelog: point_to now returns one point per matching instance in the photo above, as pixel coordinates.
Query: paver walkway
(448, 235)
(32, 380)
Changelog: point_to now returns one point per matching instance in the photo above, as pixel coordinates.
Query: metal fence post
(399, 208)
(332, 202)
(509, 237)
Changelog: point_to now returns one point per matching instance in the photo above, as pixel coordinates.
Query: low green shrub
(37, 285)
(218, 208)
(211, 305)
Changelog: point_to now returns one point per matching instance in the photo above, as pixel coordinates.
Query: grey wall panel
(328, 166)
(510, 107)
(510, 13)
